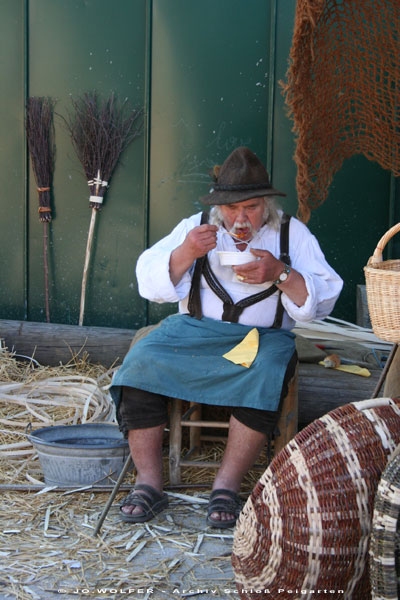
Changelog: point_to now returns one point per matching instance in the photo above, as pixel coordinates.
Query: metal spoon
(235, 237)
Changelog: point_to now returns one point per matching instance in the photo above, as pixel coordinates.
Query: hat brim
(230, 197)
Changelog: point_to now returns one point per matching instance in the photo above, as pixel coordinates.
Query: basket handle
(377, 255)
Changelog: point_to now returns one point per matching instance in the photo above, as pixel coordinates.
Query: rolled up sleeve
(323, 283)
(152, 268)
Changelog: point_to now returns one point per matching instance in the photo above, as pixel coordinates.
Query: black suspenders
(231, 310)
(194, 302)
(284, 257)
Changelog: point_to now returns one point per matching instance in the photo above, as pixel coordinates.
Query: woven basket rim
(379, 266)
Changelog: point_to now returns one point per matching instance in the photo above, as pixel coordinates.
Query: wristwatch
(283, 276)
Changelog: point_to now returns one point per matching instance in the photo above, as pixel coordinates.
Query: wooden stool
(192, 418)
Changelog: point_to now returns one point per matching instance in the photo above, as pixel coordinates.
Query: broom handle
(117, 485)
(46, 270)
(86, 265)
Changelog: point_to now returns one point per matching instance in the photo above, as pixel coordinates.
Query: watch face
(283, 276)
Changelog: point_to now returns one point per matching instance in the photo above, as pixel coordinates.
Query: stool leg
(288, 421)
(175, 442)
(195, 432)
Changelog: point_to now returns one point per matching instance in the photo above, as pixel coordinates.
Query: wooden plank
(322, 390)
(392, 381)
(363, 318)
(52, 344)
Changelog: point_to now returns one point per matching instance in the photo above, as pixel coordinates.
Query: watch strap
(286, 270)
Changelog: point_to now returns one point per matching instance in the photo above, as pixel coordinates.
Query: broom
(100, 131)
(40, 137)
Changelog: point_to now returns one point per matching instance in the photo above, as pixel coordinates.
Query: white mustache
(241, 225)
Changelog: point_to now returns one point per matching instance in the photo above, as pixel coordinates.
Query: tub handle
(28, 432)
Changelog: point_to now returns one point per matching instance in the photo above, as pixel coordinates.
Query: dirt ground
(47, 550)
(47, 545)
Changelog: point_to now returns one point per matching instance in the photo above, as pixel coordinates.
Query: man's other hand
(265, 268)
(268, 268)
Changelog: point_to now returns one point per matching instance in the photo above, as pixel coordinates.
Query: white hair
(271, 215)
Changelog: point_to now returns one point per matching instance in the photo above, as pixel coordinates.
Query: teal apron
(183, 358)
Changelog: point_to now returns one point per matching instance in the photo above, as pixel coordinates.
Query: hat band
(220, 187)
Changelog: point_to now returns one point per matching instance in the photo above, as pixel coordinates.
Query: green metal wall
(13, 249)
(207, 74)
(210, 91)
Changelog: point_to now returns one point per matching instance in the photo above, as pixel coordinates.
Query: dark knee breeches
(139, 409)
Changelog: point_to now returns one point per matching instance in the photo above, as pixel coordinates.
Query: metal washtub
(80, 454)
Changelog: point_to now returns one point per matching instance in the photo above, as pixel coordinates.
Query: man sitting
(219, 306)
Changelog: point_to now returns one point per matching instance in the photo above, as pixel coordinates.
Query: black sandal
(231, 505)
(148, 499)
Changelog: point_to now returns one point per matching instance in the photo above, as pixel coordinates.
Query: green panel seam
(147, 101)
(271, 87)
(26, 161)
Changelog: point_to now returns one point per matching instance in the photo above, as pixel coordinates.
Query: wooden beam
(320, 389)
(52, 343)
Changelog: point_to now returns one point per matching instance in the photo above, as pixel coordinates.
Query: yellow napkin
(355, 369)
(245, 352)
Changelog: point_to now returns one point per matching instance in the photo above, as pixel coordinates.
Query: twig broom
(100, 131)
(40, 137)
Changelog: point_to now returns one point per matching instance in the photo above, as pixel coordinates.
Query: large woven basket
(382, 280)
(384, 548)
(306, 525)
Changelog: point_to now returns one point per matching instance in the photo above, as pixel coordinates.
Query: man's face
(244, 219)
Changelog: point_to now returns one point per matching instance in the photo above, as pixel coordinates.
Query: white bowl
(235, 258)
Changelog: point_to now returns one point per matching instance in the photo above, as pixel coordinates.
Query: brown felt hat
(241, 177)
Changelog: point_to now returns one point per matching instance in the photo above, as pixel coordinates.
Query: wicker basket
(382, 280)
(307, 524)
(384, 548)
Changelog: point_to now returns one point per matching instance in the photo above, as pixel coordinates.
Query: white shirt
(322, 282)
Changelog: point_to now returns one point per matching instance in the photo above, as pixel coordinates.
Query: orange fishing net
(342, 90)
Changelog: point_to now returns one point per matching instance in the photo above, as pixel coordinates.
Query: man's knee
(140, 409)
(263, 421)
